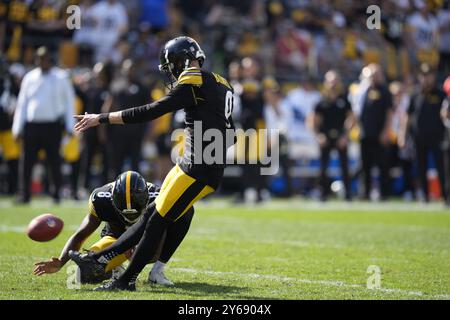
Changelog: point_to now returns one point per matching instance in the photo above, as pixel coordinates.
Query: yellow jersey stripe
(191, 76)
(91, 207)
(191, 79)
(127, 188)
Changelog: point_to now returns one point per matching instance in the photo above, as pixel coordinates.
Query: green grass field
(283, 250)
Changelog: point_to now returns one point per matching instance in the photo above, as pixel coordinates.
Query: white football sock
(158, 266)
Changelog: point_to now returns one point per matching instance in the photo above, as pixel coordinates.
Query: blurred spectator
(375, 123)
(423, 34)
(332, 120)
(98, 99)
(393, 29)
(45, 108)
(404, 155)
(445, 113)
(295, 41)
(10, 148)
(46, 25)
(444, 24)
(72, 144)
(427, 127)
(302, 101)
(161, 134)
(251, 117)
(111, 23)
(14, 17)
(128, 139)
(85, 36)
(446, 103)
(277, 116)
(293, 50)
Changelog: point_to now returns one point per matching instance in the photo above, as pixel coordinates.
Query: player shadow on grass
(200, 289)
(193, 288)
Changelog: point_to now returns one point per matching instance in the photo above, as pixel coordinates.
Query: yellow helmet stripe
(127, 190)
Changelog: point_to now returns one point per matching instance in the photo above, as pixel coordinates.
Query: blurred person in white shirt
(45, 108)
(111, 22)
(302, 101)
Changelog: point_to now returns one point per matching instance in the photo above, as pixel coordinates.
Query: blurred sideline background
(275, 54)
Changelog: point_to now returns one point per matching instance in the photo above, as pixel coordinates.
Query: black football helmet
(130, 196)
(177, 54)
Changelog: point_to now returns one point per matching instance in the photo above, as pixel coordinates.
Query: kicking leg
(174, 236)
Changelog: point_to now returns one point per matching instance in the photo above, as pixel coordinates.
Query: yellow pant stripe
(127, 188)
(103, 243)
(205, 191)
(174, 185)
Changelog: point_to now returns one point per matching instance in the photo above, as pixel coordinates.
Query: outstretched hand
(86, 121)
(50, 266)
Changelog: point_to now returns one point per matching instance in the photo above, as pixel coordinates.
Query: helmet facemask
(131, 215)
(167, 69)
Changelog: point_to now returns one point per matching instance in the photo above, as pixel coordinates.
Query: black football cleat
(116, 285)
(88, 264)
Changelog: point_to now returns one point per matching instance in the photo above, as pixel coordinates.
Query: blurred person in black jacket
(97, 97)
(10, 148)
(375, 122)
(332, 120)
(251, 117)
(128, 139)
(427, 127)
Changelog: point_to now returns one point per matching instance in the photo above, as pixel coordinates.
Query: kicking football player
(119, 204)
(207, 100)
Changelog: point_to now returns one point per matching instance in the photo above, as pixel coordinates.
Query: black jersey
(425, 115)
(333, 115)
(207, 99)
(101, 206)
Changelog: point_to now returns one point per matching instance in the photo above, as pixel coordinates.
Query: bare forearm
(74, 243)
(115, 117)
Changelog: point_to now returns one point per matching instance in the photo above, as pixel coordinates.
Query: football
(44, 228)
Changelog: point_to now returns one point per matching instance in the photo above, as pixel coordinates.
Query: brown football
(45, 227)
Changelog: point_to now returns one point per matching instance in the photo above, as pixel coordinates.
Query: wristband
(104, 118)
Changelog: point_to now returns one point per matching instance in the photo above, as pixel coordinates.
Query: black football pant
(38, 136)
(423, 149)
(343, 161)
(374, 154)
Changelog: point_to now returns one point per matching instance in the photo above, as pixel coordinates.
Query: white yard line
(329, 283)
